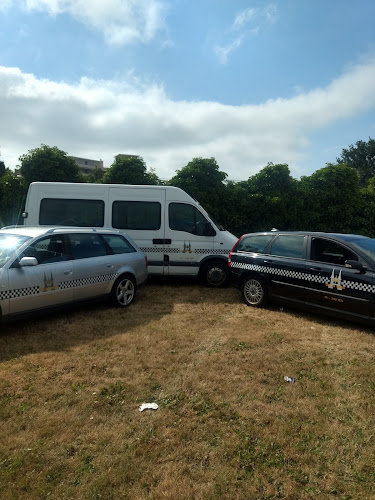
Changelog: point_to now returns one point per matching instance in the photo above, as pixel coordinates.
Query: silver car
(47, 267)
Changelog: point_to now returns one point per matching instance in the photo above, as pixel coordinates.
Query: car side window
(87, 245)
(118, 244)
(254, 244)
(49, 249)
(323, 250)
(288, 245)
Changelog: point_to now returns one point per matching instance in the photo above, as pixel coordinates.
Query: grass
(227, 427)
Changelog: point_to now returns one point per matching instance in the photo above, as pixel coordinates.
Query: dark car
(326, 272)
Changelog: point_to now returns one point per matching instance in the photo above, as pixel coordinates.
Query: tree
(11, 198)
(332, 199)
(202, 179)
(48, 164)
(361, 157)
(130, 170)
(2, 168)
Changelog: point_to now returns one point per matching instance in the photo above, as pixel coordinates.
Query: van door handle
(161, 241)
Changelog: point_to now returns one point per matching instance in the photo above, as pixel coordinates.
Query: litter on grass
(148, 406)
(288, 379)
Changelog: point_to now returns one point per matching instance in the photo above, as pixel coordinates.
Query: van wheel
(214, 274)
(123, 291)
(254, 291)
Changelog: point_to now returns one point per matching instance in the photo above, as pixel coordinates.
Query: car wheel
(254, 292)
(123, 291)
(215, 274)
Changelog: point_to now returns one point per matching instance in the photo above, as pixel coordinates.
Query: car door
(286, 262)
(46, 284)
(93, 268)
(335, 287)
(190, 236)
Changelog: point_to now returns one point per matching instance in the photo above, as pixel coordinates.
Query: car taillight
(146, 261)
(230, 253)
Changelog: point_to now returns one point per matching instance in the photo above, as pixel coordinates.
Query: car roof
(341, 236)
(34, 231)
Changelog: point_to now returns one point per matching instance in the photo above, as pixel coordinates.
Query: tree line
(336, 198)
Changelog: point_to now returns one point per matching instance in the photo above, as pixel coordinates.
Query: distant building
(87, 166)
(122, 155)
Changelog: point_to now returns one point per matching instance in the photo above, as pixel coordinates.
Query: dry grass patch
(228, 426)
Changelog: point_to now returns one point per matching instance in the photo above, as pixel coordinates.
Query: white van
(171, 228)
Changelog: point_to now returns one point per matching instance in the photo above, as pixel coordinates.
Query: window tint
(144, 215)
(288, 246)
(87, 245)
(49, 249)
(323, 250)
(69, 212)
(184, 217)
(256, 244)
(118, 244)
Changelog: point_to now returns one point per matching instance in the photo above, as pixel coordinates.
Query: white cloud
(119, 21)
(249, 21)
(99, 119)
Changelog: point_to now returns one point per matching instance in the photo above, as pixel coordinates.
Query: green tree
(12, 195)
(48, 164)
(361, 157)
(332, 199)
(202, 179)
(2, 168)
(130, 170)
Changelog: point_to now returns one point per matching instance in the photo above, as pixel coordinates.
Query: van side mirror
(354, 264)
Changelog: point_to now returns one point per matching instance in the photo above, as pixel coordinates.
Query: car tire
(123, 291)
(215, 274)
(254, 292)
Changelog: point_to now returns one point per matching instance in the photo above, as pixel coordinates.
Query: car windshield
(366, 245)
(9, 243)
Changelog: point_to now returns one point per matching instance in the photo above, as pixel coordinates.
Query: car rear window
(118, 244)
(288, 245)
(254, 244)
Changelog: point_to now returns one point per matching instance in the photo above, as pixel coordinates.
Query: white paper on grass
(148, 406)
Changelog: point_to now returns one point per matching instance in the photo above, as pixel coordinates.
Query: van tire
(123, 291)
(214, 274)
(254, 291)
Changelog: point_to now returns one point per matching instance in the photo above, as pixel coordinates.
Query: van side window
(184, 217)
(144, 215)
(288, 246)
(69, 212)
(118, 244)
(323, 250)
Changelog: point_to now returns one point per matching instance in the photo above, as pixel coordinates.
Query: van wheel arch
(214, 272)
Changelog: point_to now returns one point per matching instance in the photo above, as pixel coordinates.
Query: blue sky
(245, 81)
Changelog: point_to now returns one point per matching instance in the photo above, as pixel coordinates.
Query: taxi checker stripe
(34, 290)
(356, 285)
(87, 281)
(219, 251)
(20, 292)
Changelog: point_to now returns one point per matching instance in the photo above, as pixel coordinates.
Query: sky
(247, 82)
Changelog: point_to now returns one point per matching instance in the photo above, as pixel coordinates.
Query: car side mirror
(354, 264)
(28, 261)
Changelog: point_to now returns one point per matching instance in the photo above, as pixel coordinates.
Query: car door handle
(68, 272)
(111, 266)
(315, 268)
(265, 261)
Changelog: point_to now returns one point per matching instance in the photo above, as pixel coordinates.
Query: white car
(47, 267)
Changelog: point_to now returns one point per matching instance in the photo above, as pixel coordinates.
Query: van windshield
(10, 243)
